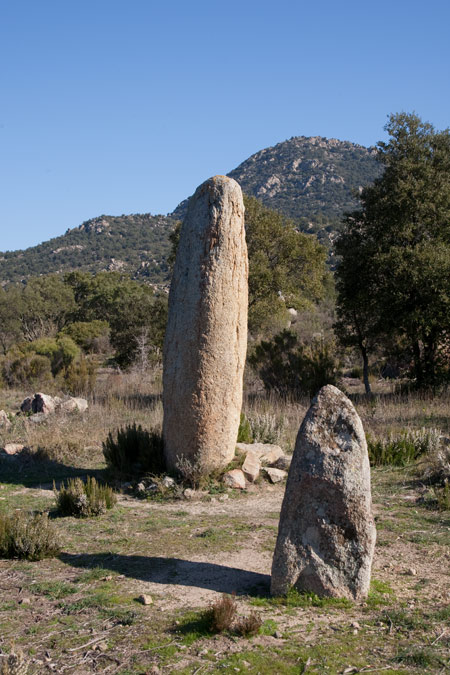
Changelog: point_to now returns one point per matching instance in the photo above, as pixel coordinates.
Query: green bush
(266, 427)
(404, 448)
(134, 451)
(292, 368)
(29, 536)
(80, 376)
(91, 336)
(83, 500)
(244, 431)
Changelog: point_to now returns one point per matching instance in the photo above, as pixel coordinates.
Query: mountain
(313, 180)
(137, 245)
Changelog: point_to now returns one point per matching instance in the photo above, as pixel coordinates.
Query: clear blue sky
(125, 106)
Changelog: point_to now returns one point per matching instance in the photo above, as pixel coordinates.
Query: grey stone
(168, 482)
(73, 404)
(43, 403)
(206, 337)
(326, 535)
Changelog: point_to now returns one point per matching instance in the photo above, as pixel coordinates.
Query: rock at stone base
(37, 418)
(235, 479)
(276, 475)
(251, 466)
(4, 420)
(326, 535)
(13, 448)
(267, 453)
(194, 494)
(282, 463)
(168, 482)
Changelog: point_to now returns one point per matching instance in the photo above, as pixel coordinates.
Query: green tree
(394, 278)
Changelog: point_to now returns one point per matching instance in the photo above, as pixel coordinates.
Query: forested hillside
(137, 245)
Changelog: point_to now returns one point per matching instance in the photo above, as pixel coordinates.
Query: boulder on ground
(73, 404)
(275, 475)
(326, 535)
(251, 466)
(25, 406)
(267, 453)
(13, 448)
(43, 403)
(235, 479)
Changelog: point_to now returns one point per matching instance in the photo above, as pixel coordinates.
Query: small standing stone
(251, 466)
(235, 479)
(326, 535)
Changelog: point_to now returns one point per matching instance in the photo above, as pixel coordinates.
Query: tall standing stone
(206, 336)
(326, 535)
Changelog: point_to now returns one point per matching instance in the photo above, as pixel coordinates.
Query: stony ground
(79, 613)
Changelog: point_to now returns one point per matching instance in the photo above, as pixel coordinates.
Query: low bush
(404, 448)
(29, 536)
(223, 613)
(266, 427)
(291, 368)
(135, 451)
(248, 625)
(14, 664)
(83, 500)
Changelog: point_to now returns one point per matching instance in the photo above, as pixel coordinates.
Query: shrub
(83, 500)
(244, 431)
(249, 625)
(80, 376)
(91, 336)
(404, 448)
(29, 536)
(195, 473)
(133, 450)
(266, 428)
(222, 613)
(290, 367)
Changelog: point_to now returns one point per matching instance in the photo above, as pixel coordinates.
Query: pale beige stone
(13, 448)
(206, 336)
(4, 420)
(326, 535)
(235, 479)
(276, 475)
(268, 453)
(251, 466)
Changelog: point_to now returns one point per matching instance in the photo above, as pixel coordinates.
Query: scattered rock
(25, 406)
(145, 599)
(251, 466)
(25, 601)
(43, 403)
(235, 479)
(38, 418)
(267, 453)
(13, 448)
(283, 463)
(206, 335)
(73, 404)
(326, 535)
(4, 420)
(168, 482)
(412, 571)
(102, 647)
(276, 475)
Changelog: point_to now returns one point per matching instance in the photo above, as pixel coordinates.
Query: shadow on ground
(26, 469)
(176, 571)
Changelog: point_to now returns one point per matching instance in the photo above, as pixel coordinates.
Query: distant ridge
(313, 180)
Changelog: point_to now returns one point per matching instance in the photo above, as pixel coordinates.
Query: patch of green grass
(269, 627)
(53, 589)
(380, 594)
(94, 574)
(295, 598)
(418, 657)
(193, 626)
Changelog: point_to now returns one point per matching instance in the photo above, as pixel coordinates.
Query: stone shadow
(176, 571)
(25, 468)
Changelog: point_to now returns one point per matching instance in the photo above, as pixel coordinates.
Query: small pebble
(145, 599)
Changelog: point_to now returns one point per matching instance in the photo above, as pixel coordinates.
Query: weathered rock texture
(326, 535)
(206, 336)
